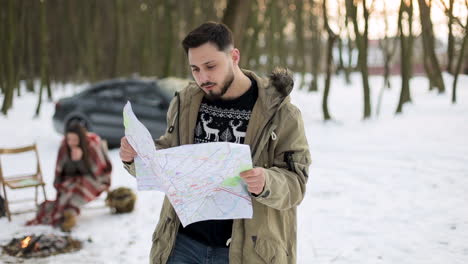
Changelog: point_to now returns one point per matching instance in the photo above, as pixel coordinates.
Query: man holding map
(229, 104)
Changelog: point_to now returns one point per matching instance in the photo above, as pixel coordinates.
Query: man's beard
(212, 95)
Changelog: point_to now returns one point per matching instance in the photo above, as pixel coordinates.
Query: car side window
(143, 94)
(134, 90)
(151, 98)
(111, 92)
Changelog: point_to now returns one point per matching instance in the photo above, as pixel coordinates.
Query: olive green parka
(278, 143)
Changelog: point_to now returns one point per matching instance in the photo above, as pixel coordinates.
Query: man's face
(211, 69)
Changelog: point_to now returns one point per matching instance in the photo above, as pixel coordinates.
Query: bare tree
(316, 41)
(405, 13)
(277, 52)
(388, 46)
(362, 44)
(431, 63)
(236, 16)
(331, 37)
(450, 38)
(448, 10)
(341, 23)
(8, 70)
(460, 59)
(29, 62)
(45, 77)
(300, 50)
(350, 48)
(252, 31)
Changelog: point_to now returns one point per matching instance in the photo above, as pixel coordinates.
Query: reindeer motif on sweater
(225, 121)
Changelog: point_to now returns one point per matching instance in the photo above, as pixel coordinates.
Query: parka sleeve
(285, 180)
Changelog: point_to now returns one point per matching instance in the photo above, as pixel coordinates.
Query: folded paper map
(201, 181)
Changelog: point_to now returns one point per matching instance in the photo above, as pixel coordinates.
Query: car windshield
(95, 87)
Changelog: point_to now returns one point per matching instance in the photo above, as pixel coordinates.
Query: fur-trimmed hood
(274, 90)
(282, 80)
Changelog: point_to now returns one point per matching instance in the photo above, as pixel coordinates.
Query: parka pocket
(271, 251)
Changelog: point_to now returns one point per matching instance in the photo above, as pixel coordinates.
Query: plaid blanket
(73, 191)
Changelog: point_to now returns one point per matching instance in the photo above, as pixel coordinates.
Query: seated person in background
(82, 173)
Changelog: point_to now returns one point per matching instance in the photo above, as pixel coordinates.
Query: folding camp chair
(21, 181)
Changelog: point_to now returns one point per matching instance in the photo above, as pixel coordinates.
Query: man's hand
(255, 179)
(127, 153)
(76, 153)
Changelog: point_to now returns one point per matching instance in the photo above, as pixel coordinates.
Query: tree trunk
(168, 41)
(176, 52)
(326, 91)
(270, 36)
(315, 47)
(330, 41)
(362, 43)
(29, 52)
(281, 50)
(120, 51)
(90, 59)
(339, 41)
(349, 45)
(459, 62)
(9, 70)
(46, 76)
(432, 64)
(388, 47)
(43, 54)
(253, 30)
(450, 39)
(406, 43)
(235, 17)
(299, 52)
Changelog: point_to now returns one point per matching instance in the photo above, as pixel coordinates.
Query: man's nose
(203, 77)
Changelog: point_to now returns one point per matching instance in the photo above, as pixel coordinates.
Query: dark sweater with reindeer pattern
(220, 121)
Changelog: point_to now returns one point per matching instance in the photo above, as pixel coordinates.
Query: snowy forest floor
(392, 189)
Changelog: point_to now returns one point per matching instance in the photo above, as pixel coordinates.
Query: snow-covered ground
(393, 189)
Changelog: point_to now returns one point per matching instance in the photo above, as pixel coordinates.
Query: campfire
(38, 246)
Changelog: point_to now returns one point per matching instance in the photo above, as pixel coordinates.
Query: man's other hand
(255, 179)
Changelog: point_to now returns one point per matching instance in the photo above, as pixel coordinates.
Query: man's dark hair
(216, 33)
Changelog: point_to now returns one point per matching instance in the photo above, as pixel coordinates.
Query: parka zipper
(176, 119)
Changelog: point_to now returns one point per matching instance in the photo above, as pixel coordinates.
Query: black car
(99, 108)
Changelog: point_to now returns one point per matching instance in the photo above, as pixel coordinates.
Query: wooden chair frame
(21, 181)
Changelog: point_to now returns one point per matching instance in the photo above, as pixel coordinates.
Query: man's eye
(211, 67)
(195, 70)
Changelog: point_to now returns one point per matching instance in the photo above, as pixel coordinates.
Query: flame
(25, 242)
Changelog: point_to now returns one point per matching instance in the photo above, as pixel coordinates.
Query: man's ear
(235, 55)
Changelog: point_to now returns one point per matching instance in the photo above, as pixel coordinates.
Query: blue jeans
(189, 251)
